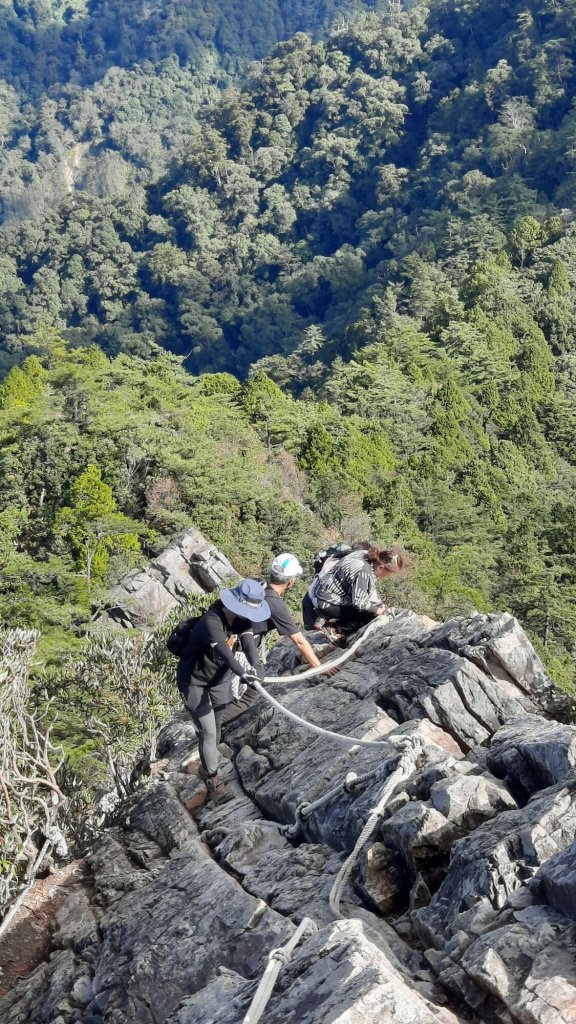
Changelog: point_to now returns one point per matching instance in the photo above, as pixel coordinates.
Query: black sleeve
(281, 617)
(251, 652)
(224, 656)
(216, 638)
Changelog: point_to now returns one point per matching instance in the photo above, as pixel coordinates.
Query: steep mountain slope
(102, 460)
(381, 223)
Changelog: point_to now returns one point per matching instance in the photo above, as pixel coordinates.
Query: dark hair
(388, 558)
(361, 545)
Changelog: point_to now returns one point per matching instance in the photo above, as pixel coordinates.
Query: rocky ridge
(461, 907)
(189, 565)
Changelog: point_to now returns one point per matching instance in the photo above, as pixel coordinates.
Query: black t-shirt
(200, 662)
(280, 617)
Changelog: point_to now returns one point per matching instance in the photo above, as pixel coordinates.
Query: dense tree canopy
(351, 178)
(103, 460)
(98, 95)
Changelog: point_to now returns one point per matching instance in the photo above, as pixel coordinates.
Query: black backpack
(177, 640)
(335, 551)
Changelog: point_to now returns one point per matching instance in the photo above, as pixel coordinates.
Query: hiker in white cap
(283, 575)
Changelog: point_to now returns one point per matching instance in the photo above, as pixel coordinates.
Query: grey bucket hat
(248, 600)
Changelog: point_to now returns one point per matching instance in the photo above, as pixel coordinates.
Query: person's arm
(306, 649)
(286, 626)
(309, 655)
(223, 656)
(250, 649)
(218, 639)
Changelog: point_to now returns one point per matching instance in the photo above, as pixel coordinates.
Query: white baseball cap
(285, 567)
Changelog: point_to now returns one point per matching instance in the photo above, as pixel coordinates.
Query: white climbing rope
(337, 737)
(377, 623)
(276, 958)
(403, 771)
(283, 955)
(351, 782)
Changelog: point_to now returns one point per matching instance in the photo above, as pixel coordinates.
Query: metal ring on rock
(290, 831)
(304, 810)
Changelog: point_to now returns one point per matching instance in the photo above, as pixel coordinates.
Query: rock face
(189, 565)
(461, 905)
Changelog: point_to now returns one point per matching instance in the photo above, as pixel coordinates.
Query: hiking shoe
(334, 635)
(217, 791)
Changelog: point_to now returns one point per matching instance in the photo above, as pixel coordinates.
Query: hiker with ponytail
(348, 596)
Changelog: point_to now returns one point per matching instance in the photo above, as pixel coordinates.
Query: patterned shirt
(351, 582)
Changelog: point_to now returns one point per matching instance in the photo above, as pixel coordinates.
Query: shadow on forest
(39, 53)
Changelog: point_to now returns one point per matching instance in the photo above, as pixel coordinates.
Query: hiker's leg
(352, 618)
(218, 716)
(220, 698)
(344, 616)
(309, 613)
(237, 707)
(200, 707)
(329, 612)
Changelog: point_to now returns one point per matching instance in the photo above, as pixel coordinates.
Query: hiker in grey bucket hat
(209, 661)
(247, 600)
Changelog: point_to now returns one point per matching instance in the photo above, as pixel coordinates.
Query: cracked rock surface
(461, 905)
(189, 565)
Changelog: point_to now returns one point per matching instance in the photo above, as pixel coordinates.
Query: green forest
(375, 232)
(97, 95)
(326, 292)
(104, 459)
